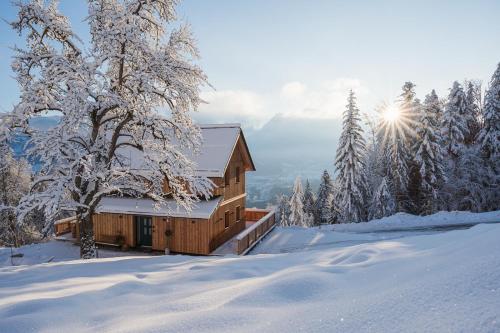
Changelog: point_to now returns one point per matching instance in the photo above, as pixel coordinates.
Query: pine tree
(372, 155)
(335, 208)
(429, 155)
(489, 136)
(297, 216)
(410, 109)
(473, 111)
(395, 137)
(323, 205)
(283, 210)
(382, 203)
(415, 179)
(469, 177)
(397, 159)
(470, 181)
(349, 161)
(108, 95)
(309, 201)
(489, 143)
(454, 127)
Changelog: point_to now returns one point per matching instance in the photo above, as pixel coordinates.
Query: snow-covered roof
(201, 210)
(219, 142)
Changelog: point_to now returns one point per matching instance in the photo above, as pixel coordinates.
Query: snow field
(442, 282)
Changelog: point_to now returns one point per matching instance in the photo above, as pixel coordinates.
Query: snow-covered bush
(15, 178)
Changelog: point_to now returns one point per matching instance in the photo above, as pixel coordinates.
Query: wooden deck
(259, 222)
(249, 237)
(63, 226)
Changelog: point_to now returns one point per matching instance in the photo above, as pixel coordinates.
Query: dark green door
(144, 230)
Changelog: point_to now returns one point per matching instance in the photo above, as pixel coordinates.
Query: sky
(298, 59)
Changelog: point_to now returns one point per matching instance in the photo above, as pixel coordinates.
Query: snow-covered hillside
(440, 282)
(296, 239)
(403, 221)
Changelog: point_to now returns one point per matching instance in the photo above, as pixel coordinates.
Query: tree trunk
(87, 244)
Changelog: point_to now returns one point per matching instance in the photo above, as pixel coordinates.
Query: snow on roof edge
(137, 206)
(229, 125)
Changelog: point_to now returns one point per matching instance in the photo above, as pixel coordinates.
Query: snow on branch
(108, 95)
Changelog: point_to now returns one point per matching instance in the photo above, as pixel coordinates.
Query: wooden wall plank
(108, 225)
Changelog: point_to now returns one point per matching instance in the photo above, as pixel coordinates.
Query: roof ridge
(229, 125)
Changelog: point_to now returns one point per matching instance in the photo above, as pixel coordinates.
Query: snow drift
(441, 282)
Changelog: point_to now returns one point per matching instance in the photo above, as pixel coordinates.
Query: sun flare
(396, 122)
(391, 114)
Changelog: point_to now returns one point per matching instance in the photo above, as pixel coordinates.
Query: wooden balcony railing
(250, 236)
(255, 214)
(63, 226)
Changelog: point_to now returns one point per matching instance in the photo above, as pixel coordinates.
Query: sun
(396, 122)
(391, 114)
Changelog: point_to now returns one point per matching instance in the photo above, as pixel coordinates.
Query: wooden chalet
(225, 159)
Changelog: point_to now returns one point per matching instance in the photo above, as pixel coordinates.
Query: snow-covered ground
(403, 221)
(53, 251)
(294, 239)
(442, 282)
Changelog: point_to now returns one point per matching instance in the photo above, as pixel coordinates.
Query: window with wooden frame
(227, 177)
(237, 174)
(226, 219)
(238, 213)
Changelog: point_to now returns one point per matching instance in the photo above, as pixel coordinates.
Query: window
(237, 174)
(238, 213)
(227, 177)
(226, 219)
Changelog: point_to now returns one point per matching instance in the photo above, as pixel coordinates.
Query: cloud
(325, 100)
(293, 90)
(236, 106)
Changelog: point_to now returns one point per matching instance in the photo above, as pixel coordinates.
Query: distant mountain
(45, 122)
(287, 147)
(19, 141)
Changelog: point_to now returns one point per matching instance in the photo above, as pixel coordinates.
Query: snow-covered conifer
(489, 144)
(297, 215)
(394, 135)
(414, 188)
(372, 154)
(283, 210)
(323, 205)
(473, 110)
(309, 201)
(409, 112)
(349, 161)
(429, 154)
(108, 95)
(489, 137)
(454, 127)
(382, 203)
(407, 190)
(472, 181)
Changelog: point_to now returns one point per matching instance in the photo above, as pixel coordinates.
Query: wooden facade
(190, 235)
(109, 227)
(182, 235)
